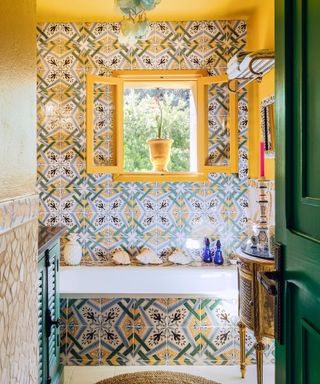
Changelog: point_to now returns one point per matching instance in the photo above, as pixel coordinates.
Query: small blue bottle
(218, 259)
(207, 256)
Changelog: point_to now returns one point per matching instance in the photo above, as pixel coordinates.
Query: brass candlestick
(258, 244)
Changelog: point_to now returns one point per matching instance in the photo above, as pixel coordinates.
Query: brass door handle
(269, 281)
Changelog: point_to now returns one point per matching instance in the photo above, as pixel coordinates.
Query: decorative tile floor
(224, 375)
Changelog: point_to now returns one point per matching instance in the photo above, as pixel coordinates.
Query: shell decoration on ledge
(147, 256)
(179, 257)
(121, 257)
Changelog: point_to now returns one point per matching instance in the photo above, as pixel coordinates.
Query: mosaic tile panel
(108, 215)
(18, 271)
(150, 331)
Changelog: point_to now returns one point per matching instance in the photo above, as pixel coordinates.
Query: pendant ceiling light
(134, 25)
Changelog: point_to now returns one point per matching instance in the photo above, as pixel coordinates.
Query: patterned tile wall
(153, 332)
(108, 215)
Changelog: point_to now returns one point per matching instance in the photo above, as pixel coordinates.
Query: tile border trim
(18, 211)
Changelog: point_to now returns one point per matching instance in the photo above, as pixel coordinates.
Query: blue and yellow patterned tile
(150, 345)
(69, 360)
(59, 34)
(166, 33)
(71, 164)
(83, 344)
(218, 345)
(166, 244)
(200, 215)
(117, 328)
(72, 209)
(143, 58)
(116, 361)
(97, 181)
(150, 312)
(64, 311)
(167, 58)
(182, 344)
(49, 200)
(107, 209)
(150, 329)
(235, 41)
(48, 157)
(120, 314)
(63, 343)
(192, 33)
(100, 250)
(214, 32)
(84, 312)
(48, 118)
(191, 58)
(158, 359)
(72, 118)
(95, 33)
(185, 313)
(218, 313)
(59, 69)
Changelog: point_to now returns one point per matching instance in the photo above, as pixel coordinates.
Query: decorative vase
(72, 251)
(160, 151)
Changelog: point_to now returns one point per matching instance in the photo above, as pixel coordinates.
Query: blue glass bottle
(218, 258)
(207, 256)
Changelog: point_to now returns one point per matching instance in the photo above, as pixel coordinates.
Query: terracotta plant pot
(160, 151)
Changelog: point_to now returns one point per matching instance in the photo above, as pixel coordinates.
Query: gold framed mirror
(268, 126)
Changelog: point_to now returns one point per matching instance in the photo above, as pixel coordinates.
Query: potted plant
(159, 148)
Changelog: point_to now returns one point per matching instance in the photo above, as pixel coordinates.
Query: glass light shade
(148, 5)
(129, 27)
(143, 29)
(128, 40)
(128, 7)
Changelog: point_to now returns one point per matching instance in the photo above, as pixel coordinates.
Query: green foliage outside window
(140, 125)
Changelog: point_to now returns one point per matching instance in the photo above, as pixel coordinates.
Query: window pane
(144, 109)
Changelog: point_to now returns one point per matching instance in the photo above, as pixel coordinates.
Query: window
(195, 111)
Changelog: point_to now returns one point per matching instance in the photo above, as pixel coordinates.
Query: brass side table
(256, 308)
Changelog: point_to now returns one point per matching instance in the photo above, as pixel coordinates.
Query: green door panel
(298, 187)
(303, 212)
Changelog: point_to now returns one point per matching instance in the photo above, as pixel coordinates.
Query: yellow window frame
(203, 141)
(201, 80)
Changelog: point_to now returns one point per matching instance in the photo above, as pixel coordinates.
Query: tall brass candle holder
(258, 244)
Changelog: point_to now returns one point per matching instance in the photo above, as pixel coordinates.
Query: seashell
(147, 256)
(178, 257)
(121, 257)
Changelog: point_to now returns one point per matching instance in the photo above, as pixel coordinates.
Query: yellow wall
(17, 98)
(260, 36)
(18, 213)
(170, 10)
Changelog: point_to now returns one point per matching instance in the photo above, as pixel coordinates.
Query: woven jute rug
(157, 377)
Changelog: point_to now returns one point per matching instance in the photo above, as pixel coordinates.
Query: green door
(298, 187)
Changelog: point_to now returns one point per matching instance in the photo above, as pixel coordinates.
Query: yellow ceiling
(103, 10)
